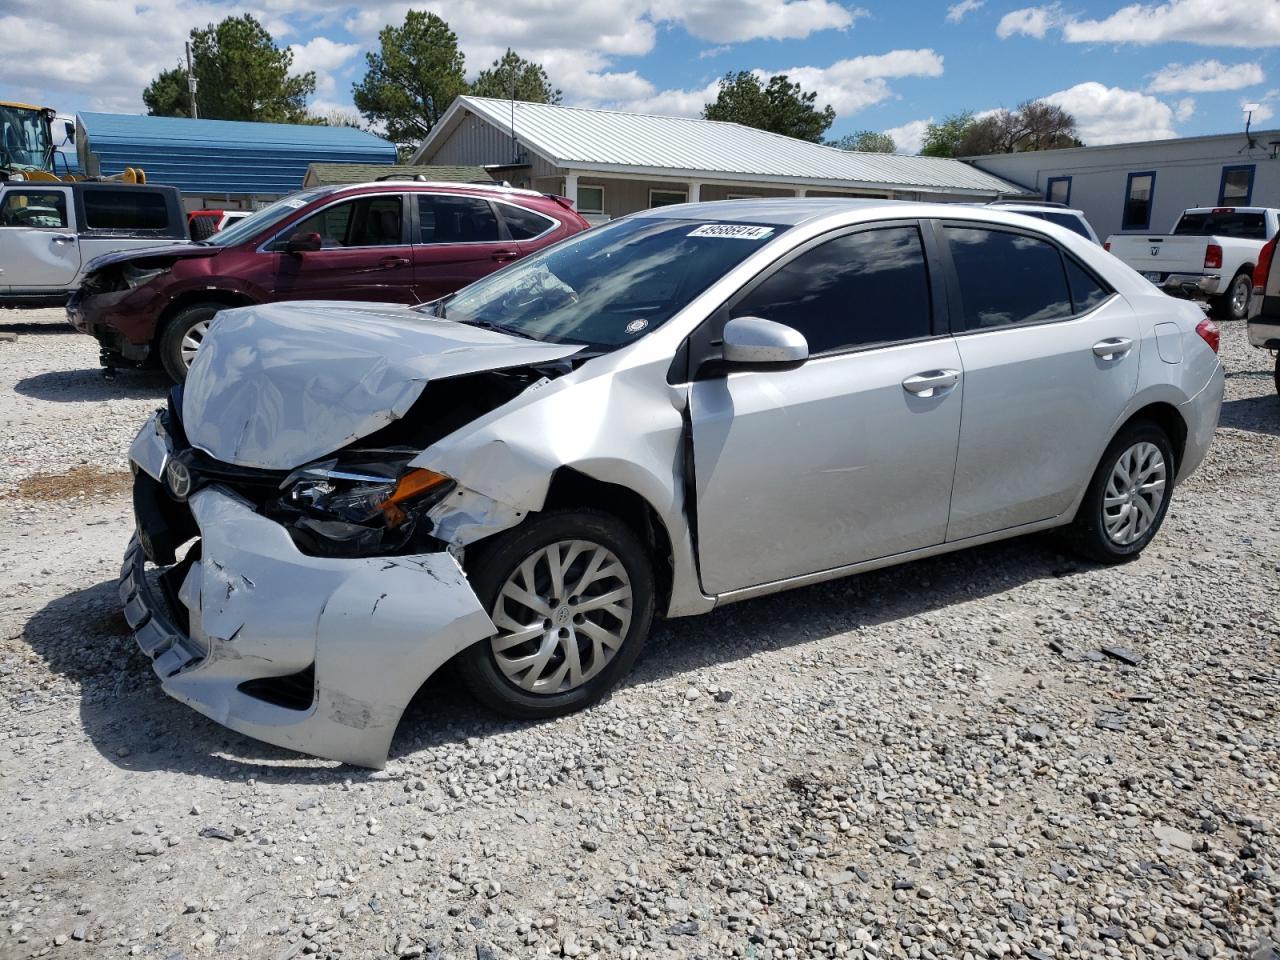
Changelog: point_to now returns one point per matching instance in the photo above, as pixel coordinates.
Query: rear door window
(456, 219)
(1007, 278)
(859, 289)
(124, 209)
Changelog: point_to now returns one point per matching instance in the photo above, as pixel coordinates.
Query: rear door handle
(1112, 348)
(931, 383)
(63, 238)
(391, 263)
(502, 256)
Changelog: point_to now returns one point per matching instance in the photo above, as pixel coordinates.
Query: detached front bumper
(317, 654)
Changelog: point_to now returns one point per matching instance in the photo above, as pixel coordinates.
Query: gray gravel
(1005, 752)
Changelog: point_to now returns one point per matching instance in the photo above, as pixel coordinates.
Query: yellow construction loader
(27, 150)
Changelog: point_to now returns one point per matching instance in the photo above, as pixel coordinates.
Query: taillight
(1262, 272)
(1213, 256)
(1107, 246)
(1209, 333)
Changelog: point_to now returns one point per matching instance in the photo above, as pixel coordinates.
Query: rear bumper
(1200, 414)
(1209, 284)
(254, 618)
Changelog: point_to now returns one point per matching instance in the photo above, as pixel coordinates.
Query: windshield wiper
(490, 325)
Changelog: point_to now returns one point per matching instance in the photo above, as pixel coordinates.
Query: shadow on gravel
(88, 386)
(1256, 414)
(33, 327)
(83, 637)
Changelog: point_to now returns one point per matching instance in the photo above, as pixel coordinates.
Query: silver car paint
(617, 419)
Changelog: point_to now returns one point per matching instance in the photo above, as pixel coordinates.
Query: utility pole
(191, 84)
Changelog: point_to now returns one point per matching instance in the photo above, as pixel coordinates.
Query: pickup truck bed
(1210, 254)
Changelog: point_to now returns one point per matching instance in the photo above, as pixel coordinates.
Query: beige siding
(719, 191)
(477, 142)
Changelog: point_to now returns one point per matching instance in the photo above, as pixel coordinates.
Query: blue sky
(1126, 71)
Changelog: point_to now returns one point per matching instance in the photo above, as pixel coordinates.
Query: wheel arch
(569, 488)
(230, 298)
(1165, 416)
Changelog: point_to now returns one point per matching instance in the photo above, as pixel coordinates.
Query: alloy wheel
(1240, 292)
(1135, 491)
(562, 616)
(191, 341)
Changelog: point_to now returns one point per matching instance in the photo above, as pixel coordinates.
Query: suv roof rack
(1027, 203)
(503, 187)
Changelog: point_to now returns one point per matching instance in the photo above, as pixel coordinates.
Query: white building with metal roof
(612, 163)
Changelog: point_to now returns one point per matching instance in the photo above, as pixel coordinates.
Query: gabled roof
(223, 156)
(609, 140)
(324, 174)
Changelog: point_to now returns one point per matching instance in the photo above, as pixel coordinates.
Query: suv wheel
(572, 595)
(1128, 495)
(183, 335)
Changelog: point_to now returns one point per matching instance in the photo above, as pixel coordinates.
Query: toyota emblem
(178, 477)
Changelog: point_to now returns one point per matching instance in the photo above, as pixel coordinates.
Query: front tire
(1128, 495)
(572, 594)
(183, 335)
(1234, 304)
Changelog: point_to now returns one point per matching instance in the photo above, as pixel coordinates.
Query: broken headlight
(135, 276)
(355, 510)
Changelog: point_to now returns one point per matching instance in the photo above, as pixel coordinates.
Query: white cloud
(714, 51)
(909, 137)
(1265, 109)
(1029, 21)
(1227, 23)
(854, 84)
(732, 21)
(957, 11)
(1113, 115)
(323, 56)
(1204, 76)
(1184, 109)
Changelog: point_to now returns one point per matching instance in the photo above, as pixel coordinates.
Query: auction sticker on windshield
(731, 231)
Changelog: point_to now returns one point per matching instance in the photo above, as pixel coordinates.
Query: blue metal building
(220, 160)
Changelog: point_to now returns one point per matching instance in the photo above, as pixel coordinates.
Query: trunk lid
(282, 384)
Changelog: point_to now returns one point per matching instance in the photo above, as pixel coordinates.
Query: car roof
(793, 211)
(1039, 208)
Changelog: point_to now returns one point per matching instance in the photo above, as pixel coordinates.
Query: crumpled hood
(280, 385)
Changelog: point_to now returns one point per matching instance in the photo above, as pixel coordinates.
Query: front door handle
(392, 263)
(63, 238)
(1112, 348)
(931, 383)
(502, 256)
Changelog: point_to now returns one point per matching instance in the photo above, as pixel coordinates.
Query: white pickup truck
(1210, 254)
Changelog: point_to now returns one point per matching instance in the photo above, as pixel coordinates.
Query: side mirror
(754, 341)
(70, 128)
(304, 243)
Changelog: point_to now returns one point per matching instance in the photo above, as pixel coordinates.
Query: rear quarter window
(125, 209)
(524, 224)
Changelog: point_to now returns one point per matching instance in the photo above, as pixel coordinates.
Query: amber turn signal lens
(413, 484)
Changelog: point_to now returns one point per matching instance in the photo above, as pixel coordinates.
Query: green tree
(241, 75)
(167, 95)
(865, 141)
(336, 117)
(412, 78)
(779, 106)
(943, 139)
(512, 72)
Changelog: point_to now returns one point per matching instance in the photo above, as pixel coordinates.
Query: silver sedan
(681, 409)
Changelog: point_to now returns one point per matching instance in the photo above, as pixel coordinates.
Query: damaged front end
(304, 605)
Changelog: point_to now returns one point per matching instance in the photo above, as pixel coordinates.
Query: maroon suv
(402, 242)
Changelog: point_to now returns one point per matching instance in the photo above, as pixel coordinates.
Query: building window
(1139, 194)
(1236, 188)
(590, 199)
(1058, 190)
(742, 196)
(664, 198)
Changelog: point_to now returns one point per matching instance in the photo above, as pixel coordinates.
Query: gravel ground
(1004, 752)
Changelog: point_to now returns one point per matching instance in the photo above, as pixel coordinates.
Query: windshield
(251, 226)
(1223, 223)
(610, 285)
(24, 138)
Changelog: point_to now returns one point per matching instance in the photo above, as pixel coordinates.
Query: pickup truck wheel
(1128, 495)
(1234, 304)
(182, 337)
(572, 595)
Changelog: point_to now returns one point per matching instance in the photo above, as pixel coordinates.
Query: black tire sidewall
(492, 562)
(176, 329)
(1089, 528)
(1225, 309)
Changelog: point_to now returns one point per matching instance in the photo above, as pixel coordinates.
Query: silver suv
(681, 409)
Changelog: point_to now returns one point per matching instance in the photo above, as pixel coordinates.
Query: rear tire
(577, 642)
(1234, 304)
(182, 335)
(1120, 512)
